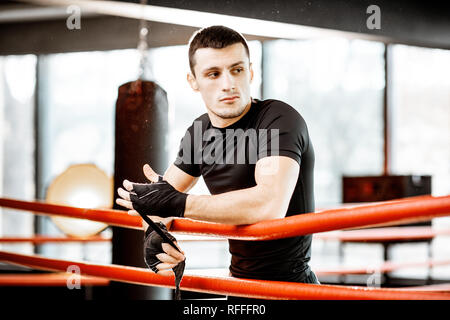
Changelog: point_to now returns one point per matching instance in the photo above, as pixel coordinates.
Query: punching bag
(141, 137)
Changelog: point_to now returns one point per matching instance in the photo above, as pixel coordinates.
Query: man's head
(221, 71)
(215, 37)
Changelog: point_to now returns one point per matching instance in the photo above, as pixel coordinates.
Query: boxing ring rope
(48, 280)
(393, 234)
(397, 211)
(47, 239)
(262, 289)
(390, 212)
(387, 266)
(113, 217)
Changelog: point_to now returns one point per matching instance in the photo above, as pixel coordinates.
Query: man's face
(223, 77)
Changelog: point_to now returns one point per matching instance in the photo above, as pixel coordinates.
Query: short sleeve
(187, 157)
(283, 132)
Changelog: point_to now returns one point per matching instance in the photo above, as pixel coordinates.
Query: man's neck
(219, 122)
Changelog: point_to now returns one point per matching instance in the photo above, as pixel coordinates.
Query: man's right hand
(159, 256)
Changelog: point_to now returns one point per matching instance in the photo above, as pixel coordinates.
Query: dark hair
(216, 37)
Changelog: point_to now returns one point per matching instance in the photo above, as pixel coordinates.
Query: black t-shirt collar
(242, 121)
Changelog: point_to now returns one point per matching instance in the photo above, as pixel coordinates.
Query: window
(17, 94)
(421, 114)
(78, 92)
(421, 131)
(337, 85)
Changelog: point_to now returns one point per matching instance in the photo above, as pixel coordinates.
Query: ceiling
(31, 28)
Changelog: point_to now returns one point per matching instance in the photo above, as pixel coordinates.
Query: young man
(267, 174)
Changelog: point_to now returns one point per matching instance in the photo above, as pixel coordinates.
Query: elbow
(271, 206)
(274, 210)
(263, 212)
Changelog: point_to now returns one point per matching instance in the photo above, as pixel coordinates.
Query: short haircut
(216, 37)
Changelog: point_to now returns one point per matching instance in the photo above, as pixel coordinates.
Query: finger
(124, 194)
(128, 185)
(164, 257)
(133, 213)
(124, 203)
(150, 174)
(166, 272)
(172, 251)
(179, 248)
(165, 266)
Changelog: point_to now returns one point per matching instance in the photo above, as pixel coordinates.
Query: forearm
(179, 179)
(268, 199)
(245, 206)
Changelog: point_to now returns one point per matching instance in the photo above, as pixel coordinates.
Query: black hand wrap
(158, 199)
(153, 246)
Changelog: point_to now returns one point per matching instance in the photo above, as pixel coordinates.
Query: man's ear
(192, 81)
(251, 72)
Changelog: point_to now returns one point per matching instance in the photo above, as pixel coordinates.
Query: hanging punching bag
(140, 138)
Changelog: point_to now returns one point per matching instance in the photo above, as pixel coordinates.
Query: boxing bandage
(158, 199)
(153, 246)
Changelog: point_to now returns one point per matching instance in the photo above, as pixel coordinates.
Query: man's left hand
(156, 198)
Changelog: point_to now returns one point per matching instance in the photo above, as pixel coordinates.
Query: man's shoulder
(276, 108)
(202, 120)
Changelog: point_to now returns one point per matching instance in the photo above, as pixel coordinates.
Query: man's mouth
(229, 99)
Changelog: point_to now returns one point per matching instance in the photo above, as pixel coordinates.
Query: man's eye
(238, 70)
(213, 74)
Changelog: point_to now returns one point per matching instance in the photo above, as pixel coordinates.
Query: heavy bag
(140, 137)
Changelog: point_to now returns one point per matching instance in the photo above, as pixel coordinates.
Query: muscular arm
(275, 178)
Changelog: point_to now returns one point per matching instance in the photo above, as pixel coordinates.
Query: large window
(77, 93)
(17, 94)
(421, 114)
(420, 97)
(337, 85)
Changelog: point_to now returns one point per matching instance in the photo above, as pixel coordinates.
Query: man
(267, 174)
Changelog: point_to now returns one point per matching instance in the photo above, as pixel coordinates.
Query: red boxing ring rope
(262, 289)
(405, 210)
(47, 280)
(390, 212)
(387, 266)
(118, 218)
(46, 239)
(393, 234)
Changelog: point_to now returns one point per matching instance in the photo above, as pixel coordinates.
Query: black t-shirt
(226, 159)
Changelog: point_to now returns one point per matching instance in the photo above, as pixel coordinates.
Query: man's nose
(228, 82)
